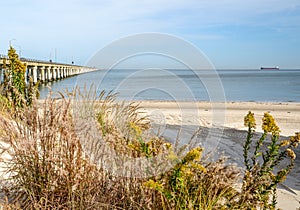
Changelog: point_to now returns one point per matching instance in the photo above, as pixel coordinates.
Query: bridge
(46, 71)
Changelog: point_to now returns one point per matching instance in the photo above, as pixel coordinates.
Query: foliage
(14, 87)
(192, 185)
(48, 168)
(265, 166)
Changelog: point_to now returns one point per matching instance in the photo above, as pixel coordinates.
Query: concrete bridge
(45, 71)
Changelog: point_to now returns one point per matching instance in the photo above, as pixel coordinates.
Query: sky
(233, 34)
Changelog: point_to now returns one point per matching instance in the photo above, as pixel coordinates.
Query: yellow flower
(135, 129)
(295, 138)
(281, 175)
(153, 185)
(272, 176)
(199, 167)
(168, 145)
(295, 144)
(291, 153)
(194, 154)
(269, 125)
(249, 120)
(284, 143)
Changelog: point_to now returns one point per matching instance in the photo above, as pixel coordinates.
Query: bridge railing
(43, 62)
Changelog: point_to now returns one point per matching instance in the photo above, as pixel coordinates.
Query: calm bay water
(185, 85)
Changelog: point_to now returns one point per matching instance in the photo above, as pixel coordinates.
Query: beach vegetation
(267, 163)
(15, 92)
(48, 166)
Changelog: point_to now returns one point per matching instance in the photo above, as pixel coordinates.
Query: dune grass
(51, 167)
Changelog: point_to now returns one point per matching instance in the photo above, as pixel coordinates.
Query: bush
(14, 88)
(265, 165)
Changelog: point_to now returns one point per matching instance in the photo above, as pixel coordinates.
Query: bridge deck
(45, 71)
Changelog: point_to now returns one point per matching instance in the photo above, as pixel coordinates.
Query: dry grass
(48, 168)
(70, 154)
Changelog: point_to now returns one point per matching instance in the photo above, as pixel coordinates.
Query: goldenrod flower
(135, 129)
(168, 145)
(193, 154)
(269, 125)
(284, 143)
(295, 144)
(291, 153)
(281, 175)
(153, 185)
(199, 167)
(295, 138)
(249, 120)
(272, 176)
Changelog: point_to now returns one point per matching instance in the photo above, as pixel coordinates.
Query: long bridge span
(46, 71)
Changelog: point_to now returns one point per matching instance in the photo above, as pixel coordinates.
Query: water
(187, 85)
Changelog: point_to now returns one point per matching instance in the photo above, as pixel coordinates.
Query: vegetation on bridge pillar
(14, 87)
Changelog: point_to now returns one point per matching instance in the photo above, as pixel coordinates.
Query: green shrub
(14, 87)
(265, 165)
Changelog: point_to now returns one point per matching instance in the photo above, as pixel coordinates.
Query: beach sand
(222, 131)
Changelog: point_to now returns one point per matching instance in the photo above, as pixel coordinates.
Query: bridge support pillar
(53, 73)
(59, 72)
(32, 72)
(42, 74)
(49, 73)
(46, 73)
(64, 72)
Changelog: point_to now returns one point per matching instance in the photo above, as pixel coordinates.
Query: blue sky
(232, 33)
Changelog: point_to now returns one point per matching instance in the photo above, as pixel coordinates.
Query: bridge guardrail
(41, 61)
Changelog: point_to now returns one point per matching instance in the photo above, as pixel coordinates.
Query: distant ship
(269, 68)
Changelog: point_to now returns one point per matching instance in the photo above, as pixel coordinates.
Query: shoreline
(286, 114)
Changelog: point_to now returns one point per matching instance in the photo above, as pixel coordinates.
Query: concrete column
(49, 72)
(34, 74)
(59, 72)
(53, 73)
(42, 73)
(46, 73)
(64, 72)
(26, 75)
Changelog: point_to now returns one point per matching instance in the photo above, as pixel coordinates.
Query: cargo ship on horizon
(269, 68)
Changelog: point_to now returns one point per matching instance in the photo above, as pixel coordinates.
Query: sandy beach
(224, 122)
